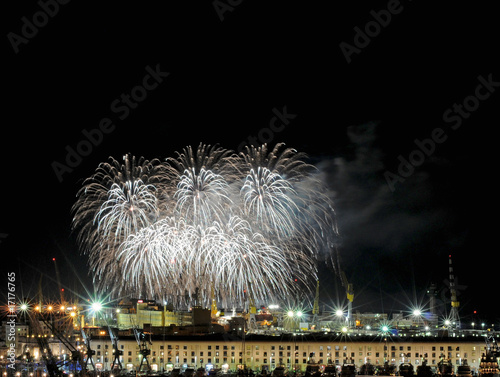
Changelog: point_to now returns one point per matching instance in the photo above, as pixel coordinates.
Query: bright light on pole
(96, 306)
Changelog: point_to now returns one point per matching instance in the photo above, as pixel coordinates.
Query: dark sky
(428, 72)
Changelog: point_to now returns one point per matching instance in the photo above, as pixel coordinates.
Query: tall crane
(58, 277)
(349, 290)
(455, 304)
(213, 307)
(315, 310)
(116, 351)
(252, 309)
(142, 341)
(90, 352)
(53, 365)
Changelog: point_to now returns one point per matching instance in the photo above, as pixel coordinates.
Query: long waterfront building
(294, 351)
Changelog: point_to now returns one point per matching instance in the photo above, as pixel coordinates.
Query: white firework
(269, 200)
(252, 225)
(128, 208)
(202, 197)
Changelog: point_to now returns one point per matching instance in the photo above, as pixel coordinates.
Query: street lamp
(293, 316)
(95, 308)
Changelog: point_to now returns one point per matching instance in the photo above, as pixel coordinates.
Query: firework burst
(254, 223)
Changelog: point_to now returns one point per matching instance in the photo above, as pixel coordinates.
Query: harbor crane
(349, 289)
(116, 351)
(315, 310)
(144, 351)
(90, 352)
(53, 365)
(455, 304)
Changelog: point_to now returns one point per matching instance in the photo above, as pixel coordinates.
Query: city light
(96, 306)
(339, 313)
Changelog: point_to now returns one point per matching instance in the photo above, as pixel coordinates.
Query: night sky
(361, 99)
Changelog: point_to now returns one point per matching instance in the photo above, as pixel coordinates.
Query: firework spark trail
(243, 255)
(128, 207)
(269, 199)
(202, 197)
(261, 219)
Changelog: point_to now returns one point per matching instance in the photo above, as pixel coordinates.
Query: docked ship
(424, 370)
(387, 370)
(488, 367)
(406, 369)
(464, 370)
(329, 371)
(445, 368)
(367, 369)
(348, 368)
(312, 369)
